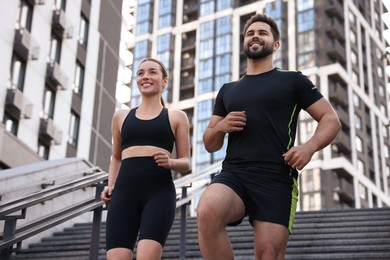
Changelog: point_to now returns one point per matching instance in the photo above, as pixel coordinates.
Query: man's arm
(327, 129)
(214, 134)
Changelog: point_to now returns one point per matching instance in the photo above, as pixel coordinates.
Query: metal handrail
(14, 210)
(15, 235)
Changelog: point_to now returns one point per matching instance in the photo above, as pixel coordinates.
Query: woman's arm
(116, 157)
(182, 142)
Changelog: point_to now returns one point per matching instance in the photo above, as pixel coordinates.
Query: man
(259, 113)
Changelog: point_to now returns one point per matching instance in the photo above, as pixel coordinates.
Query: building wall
(40, 133)
(317, 38)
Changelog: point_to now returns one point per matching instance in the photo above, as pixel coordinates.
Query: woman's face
(150, 78)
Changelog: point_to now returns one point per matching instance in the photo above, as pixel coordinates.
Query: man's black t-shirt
(272, 102)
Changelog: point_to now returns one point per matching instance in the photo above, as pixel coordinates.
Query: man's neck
(259, 66)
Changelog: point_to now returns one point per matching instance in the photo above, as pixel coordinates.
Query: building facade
(59, 61)
(338, 44)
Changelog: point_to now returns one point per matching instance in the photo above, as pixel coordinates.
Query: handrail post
(96, 225)
(9, 232)
(183, 224)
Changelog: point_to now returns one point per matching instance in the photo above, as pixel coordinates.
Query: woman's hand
(106, 194)
(163, 160)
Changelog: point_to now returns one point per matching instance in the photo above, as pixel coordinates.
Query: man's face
(259, 41)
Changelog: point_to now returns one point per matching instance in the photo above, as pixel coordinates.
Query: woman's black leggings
(144, 201)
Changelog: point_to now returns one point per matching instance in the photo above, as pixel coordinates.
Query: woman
(140, 191)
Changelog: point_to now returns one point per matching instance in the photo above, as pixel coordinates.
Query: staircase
(329, 234)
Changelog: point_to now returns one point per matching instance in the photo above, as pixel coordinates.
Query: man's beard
(259, 54)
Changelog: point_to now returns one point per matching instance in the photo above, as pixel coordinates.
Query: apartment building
(59, 63)
(339, 44)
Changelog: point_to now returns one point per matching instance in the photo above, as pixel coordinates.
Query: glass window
(219, 80)
(205, 85)
(141, 51)
(274, 9)
(166, 14)
(222, 64)
(43, 150)
(25, 12)
(206, 7)
(306, 42)
(79, 79)
(206, 68)
(10, 123)
(305, 4)
(223, 4)
(224, 25)
(18, 71)
(223, 44)
(73, 134)
(48, 103)
(359, 144)
(356, 100)
(164, 42)
(83, 31)
(358, 122)
(306, 60)
(207, 30)
(206, 49)
(306, 20)
(55, 49)
(353, 57)
(60, 4)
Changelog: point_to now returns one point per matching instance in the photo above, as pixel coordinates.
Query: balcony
(48, 131)
(345, 190)
(334, 9)
(60, 25)
(24, 45)
(338, 94)
(343, 143)
(343, 115)
(335, 29)
(17, 104)
(55, 77)
(336, 51)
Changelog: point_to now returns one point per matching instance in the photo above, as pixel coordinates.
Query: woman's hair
(264, 19)
(164, 71)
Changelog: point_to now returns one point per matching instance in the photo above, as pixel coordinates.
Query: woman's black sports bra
(154, 132)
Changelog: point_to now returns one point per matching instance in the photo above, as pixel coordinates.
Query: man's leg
(218, 206)
(270, 240)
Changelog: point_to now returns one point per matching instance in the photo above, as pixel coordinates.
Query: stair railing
(12, 211)
(187, 191)
(187, 187)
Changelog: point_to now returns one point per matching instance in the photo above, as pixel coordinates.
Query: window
(166, 14)
(73, 134)
(223, 4)
(305, 4)
(358, 122)
(60, 4)
(25, 12)
(43, 150)
(353, 57)
(83, 31)
(18, 71)
(206, 7)
(10, 123)
(306, 42)
(356, 100)
(306, 20)
(48, 103)
(359, 144)
(55, 49)
(79, 79)
(144, 17)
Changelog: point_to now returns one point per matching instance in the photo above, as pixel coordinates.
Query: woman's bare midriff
(141, 151)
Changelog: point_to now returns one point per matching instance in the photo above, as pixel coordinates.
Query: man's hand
(234, 122)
